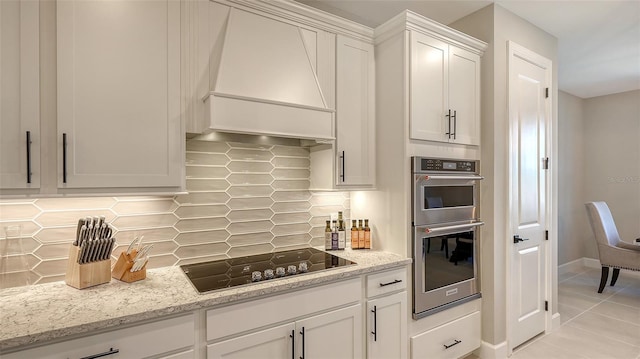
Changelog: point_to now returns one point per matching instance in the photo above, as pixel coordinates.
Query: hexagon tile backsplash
(242, 199)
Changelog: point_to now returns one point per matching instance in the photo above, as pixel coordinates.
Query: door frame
(516, 50)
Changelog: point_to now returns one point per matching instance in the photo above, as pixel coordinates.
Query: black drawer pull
(110, 352)
(455, 342)
(390, 283)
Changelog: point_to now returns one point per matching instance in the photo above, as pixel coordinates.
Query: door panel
(464, 80)
(528, 118)
(335, 335)
(270, 343)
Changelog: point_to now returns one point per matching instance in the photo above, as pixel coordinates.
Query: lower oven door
(444, 267)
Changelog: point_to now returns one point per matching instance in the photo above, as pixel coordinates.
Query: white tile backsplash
(243, 199)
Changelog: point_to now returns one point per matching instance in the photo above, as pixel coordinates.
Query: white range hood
(264, 79)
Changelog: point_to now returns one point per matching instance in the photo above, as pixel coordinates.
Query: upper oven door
(439, 199)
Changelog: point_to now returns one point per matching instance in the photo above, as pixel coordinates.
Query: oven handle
(464, 178)
(457, 227)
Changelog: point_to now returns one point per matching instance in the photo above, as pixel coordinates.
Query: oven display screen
(449, 166)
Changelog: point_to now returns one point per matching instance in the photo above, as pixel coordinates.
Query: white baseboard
(555, 321)
(491, 351)
(581, 263)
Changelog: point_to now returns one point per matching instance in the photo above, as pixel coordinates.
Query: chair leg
(614, 277)
(428, 244)
(445, 246)
(603, 278)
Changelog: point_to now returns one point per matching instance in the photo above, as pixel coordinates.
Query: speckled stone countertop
(36, 314)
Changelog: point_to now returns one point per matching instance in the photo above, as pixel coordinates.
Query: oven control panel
(422, 164)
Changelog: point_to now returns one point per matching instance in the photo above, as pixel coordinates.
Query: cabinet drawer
(386, 282)
(140, 341)
(451, 340)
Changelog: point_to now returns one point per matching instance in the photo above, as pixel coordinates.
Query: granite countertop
(36, 314)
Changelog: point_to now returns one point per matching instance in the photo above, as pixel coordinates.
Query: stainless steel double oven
(445, 226)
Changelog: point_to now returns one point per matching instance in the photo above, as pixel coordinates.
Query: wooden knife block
(122, 269)
(86, 275)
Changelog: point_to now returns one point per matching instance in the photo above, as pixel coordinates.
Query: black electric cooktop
(226, 273)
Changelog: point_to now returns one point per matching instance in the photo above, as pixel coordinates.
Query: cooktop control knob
(280, 272)
(268, 274)
(291, 270)
(302, 267)
(256, 276)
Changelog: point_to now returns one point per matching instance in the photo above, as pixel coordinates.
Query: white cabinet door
(333, 335)
(429, 88)
(355, 112)
(464, 95)
(387, 327)
(119, 94)
(445, 92)
(276, 342)
(19, 94)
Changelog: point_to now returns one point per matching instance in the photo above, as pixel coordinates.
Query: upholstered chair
(613, 251)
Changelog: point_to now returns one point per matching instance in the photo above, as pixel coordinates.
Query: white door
(19, 94)
(269, 343)
(333, 335)
(387, 327)
(119, 94)
(529, 116)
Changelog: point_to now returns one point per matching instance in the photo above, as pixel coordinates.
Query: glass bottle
(360, 234)
(334, 236)
(367, 234)
(342, 235)
(354, 235)
(327, 236)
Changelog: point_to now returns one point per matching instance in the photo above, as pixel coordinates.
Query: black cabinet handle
(28, 156)
(110, 352)
(293, 343)
(448, 116)
(343, 160)
(455, 342)
(375, 323)
(455, 124)
(390, 283)
(64, 158)
(302, 333)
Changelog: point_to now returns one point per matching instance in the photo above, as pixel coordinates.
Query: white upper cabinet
(445, 92)
(19, 95)
(119, 94)
(355, 112)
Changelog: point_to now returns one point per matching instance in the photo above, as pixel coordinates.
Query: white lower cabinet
(333, 335)
(451, 340)
(320, 322)
(387, 327)
(156, 339)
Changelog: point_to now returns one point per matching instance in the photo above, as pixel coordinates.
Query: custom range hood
(265, 77)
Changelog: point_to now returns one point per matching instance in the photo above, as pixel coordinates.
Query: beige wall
(612, 161)
(573, 228)
(496, 26)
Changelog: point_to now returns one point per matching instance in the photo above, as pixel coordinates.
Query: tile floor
(594, 326)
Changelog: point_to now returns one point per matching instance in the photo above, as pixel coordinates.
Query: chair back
(602, 223)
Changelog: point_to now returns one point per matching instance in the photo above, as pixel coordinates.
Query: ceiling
(598, 41)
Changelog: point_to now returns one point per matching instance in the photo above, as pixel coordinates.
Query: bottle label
(334, 240)
(342, 239)
(355, 243)
(327, 240)
(360, 238)
(367, 239)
